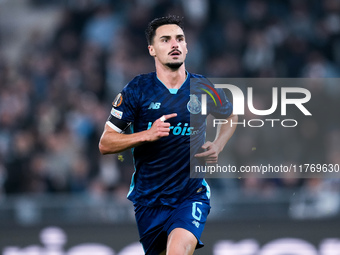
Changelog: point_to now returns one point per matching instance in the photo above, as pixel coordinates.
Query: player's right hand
(160, 128)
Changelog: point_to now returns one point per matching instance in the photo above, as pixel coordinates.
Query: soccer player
(170, 207)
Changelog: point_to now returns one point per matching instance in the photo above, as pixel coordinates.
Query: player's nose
(174, 44)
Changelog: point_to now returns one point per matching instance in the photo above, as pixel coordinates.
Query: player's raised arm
(113, 142)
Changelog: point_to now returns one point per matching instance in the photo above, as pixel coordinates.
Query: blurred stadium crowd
(55, 100)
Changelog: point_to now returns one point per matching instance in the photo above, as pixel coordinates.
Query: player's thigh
(181, 242)
(150, 223)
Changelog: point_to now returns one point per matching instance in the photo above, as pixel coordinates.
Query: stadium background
(63, 62)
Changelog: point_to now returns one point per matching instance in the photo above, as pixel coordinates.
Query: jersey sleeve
(124, 108)
(222, 108)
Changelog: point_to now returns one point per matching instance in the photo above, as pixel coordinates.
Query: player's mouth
(175, 52)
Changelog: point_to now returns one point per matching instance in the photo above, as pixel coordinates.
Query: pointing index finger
(168, 116)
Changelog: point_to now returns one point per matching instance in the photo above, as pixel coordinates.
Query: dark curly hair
(156, 23)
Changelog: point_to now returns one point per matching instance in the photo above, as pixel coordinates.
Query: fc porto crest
(194, 105)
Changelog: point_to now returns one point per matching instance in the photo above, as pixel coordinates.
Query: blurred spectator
(319, 198)
(79, 175)
(18, 176)
(259, 54)
(102, 26)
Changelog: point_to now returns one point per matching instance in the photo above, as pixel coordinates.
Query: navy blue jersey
(162, 168)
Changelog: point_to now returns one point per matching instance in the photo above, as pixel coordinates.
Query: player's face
(169, 46)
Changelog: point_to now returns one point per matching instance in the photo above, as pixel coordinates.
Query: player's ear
(152, 51)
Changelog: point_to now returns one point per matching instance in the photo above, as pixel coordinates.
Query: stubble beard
(174, 66)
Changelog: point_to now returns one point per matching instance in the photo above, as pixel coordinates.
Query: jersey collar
(174, 91)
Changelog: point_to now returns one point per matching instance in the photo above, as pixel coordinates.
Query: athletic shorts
(156, 223)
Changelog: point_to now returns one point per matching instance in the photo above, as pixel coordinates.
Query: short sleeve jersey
(162, 167)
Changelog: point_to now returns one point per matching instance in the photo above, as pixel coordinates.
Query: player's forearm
(113, 142)
(224, 133)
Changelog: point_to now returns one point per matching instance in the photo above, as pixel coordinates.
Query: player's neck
(172, 79)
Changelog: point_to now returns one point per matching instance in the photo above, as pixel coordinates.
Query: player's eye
(180, 39)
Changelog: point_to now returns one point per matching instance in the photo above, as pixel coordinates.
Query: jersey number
(196, 212)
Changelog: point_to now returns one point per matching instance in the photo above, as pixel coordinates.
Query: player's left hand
(210, 154)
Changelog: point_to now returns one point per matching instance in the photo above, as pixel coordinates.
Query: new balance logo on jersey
(154, 106)
(196, 223)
